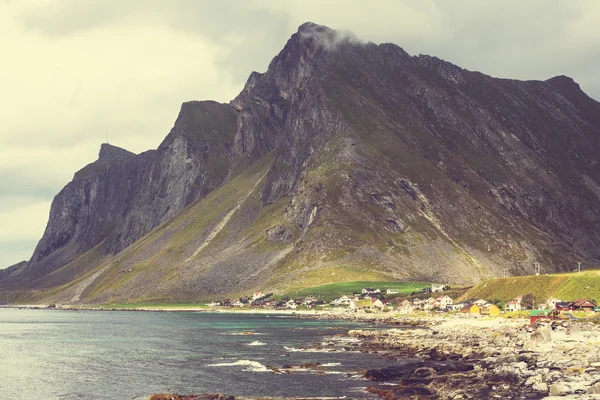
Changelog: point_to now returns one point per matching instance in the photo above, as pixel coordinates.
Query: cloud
(75, 70)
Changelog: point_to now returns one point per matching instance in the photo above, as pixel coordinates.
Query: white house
(238, 303)
(392, 291)
(371, 291)
(291, 304)
(309, 299)
(417, 302)
(405, 309)
(437, 288)
(213, 304)
(552, 303)
(442, 302)
(341, 301)
(455, 307)
(480, 302)
(514, 304)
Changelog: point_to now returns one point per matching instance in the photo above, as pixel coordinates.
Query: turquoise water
(60, 354)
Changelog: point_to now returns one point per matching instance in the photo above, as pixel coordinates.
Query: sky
(73, 71)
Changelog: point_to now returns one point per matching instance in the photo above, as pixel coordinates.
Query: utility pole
(579, 267)
(537, 268)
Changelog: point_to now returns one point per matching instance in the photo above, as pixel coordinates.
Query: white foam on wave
(249, 365)
(334, 364)
(256, 343)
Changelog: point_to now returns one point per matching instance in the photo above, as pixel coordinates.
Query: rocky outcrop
(343, 155)
(120, 197)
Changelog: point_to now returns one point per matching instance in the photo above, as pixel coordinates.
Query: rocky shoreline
(476, 358)
(481, 359)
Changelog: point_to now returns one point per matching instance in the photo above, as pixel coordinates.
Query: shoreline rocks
(497, 358)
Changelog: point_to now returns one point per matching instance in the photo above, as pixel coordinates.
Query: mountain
(344, 161)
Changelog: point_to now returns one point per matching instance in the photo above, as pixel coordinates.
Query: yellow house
(363, 303)
(490, 309)
(474, 309)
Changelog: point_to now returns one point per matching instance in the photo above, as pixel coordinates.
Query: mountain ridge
(344, 160)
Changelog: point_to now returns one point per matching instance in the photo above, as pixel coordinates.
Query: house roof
(583, 303)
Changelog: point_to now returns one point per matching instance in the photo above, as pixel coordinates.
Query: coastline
(461, 357)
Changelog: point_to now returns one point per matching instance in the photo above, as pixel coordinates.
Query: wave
(333, 364)
(249, 365)
(256, 343)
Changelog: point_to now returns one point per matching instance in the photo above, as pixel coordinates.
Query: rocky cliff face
(120, 197)
(344, 160)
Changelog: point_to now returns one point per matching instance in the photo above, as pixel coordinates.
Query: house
(291, 304)
(442, 302)
(341, 301)
(437, 288)
(417, 302)
(562, 306)
(490, 309)
(470, 309)
(474, 309)
(238, 303)
(480, 302)
(376, 303)
(455, 307)
(362, 303)
(371, 291)
(257, 295)
(583, 305)
(392, 291)
(514, 305)
(405, 309)
(309, 300)
(213, 304)
(405, 302)
(551, 303)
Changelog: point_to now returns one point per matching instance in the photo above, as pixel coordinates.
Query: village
(431, 299)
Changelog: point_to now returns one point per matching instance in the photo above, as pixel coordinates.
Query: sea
(63, 354)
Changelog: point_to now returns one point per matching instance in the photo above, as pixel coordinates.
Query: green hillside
(334, 290)
(563, 286)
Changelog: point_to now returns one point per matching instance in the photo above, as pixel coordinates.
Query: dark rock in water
(416, 370)
(191, 397)
(403, 392)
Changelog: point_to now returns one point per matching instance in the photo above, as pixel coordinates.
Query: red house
(583, 305)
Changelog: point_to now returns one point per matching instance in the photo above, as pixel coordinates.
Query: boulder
(558, 389)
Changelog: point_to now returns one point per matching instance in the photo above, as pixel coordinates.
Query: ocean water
(59, 354)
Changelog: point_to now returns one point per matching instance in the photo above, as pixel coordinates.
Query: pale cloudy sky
(72, 70)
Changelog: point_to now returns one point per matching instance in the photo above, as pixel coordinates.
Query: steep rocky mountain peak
(345, 160)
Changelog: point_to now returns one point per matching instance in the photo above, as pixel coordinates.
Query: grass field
(158, 306)
(335, 290)
(566, 287)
